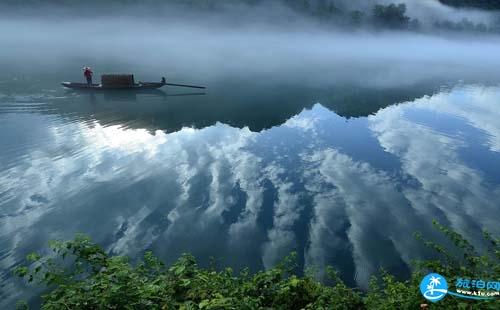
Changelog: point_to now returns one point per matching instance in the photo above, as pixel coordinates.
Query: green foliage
(80, 275)
(461, 260)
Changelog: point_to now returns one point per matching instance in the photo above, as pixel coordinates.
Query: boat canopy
(117, 80)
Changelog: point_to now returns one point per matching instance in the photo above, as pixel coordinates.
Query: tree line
(390, 16)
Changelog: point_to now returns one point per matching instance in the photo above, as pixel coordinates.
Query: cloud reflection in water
(343, 193)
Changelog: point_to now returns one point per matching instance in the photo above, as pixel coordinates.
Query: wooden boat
(122, 82)
(135, 86)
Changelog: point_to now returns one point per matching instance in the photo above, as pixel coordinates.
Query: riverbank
(96, 280)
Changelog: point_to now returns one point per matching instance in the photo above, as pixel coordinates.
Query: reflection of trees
(358, 101)
(259, 107)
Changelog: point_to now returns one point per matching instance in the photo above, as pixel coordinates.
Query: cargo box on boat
(117, 80)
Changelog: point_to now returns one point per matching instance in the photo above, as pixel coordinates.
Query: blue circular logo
(434, 287)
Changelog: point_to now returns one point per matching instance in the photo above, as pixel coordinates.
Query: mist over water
(338, 145)
(211, 51)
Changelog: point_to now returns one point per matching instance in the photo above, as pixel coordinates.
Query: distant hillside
(398, 15)
(478, 4)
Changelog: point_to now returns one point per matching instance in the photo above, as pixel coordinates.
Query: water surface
(344, 175)
(336, 146)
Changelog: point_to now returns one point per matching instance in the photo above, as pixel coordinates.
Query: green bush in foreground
(94, 280)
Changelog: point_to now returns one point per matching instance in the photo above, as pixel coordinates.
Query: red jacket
(88, 73)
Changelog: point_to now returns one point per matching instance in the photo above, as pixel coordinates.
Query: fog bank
(427, 12)
(209, 52)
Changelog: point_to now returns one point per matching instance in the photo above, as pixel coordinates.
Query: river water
(248, 170)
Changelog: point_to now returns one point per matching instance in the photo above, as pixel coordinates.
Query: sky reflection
(346, 193)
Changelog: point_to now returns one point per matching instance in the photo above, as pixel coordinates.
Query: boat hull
(98, 87)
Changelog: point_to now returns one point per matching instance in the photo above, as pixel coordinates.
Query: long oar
(164, 82)
(184, 85)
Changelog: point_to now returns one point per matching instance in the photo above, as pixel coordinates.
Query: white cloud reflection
(203, 190)
(432, 158)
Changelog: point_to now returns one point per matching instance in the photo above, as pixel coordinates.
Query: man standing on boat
(87, 73)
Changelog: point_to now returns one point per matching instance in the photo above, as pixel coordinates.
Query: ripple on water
(27, 103)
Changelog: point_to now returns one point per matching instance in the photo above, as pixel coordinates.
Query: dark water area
(247, 173)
